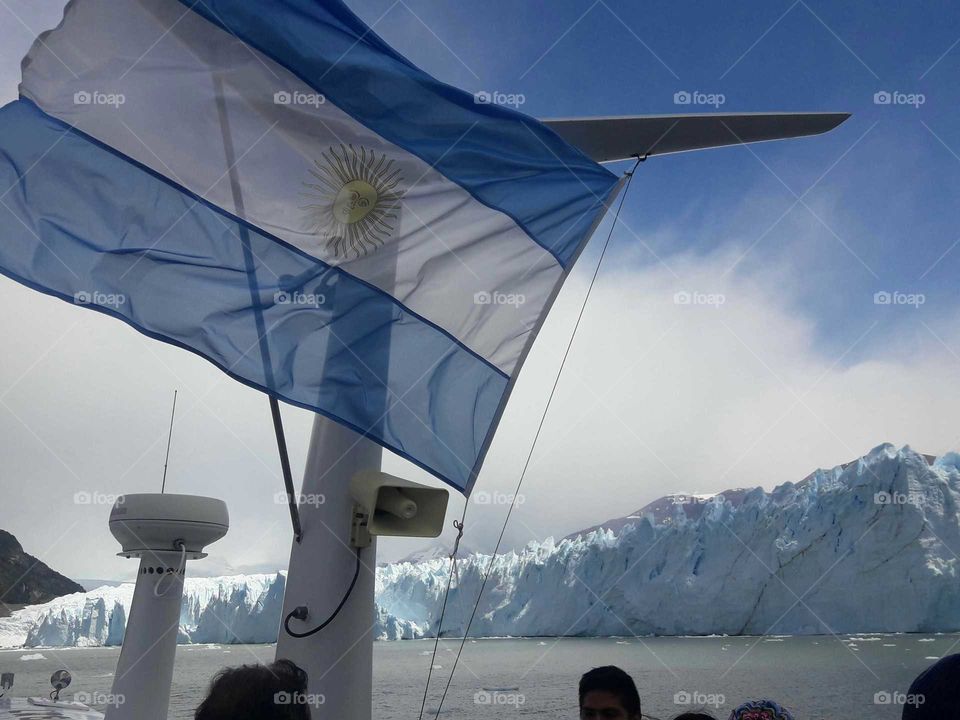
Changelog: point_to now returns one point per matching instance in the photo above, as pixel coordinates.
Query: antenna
(166, 459)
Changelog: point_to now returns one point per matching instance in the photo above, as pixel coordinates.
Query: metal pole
(141, 686)
(339, 659)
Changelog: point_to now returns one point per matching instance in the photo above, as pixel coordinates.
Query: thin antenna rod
(169, 438)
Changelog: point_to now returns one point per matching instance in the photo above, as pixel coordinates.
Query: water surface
(846, 678)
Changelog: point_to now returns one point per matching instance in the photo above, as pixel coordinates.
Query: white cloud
(659, 397)
(656, 397)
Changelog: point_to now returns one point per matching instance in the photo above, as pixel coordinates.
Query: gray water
(815, 677)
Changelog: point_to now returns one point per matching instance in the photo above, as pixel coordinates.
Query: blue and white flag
(272, 187)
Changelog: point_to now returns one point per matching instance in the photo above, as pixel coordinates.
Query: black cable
(300, 613)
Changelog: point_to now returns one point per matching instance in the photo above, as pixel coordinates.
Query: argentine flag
(269, 185)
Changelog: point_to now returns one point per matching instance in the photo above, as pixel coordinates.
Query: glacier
(870, 546)
(224, 610)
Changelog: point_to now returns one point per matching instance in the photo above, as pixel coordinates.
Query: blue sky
(799, 368)
(890, 197)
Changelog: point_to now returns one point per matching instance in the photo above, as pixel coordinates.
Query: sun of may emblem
(356, 200)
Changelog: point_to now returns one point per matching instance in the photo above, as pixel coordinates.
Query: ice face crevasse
(807, 558)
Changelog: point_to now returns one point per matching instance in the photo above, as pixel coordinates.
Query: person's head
(760, 710)
(608, 693)
(695, 716)
(257, 692)
(936, 691)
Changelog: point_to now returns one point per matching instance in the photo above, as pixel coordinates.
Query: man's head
(257, 692)
(935, 694)
(608, 693)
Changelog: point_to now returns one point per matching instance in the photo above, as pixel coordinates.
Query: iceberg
(811, 557)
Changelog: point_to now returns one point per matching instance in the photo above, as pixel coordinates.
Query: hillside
(24, 580)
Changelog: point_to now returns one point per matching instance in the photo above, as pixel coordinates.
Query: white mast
(339, 659)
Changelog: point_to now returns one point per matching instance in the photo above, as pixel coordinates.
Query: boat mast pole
(338, 659)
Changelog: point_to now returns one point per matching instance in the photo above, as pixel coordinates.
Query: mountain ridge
(25, 580)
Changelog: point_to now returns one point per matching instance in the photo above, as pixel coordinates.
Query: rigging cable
(443, 608)
(166, 459)
(628, 176)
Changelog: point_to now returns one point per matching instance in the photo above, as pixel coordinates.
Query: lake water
(849, 678)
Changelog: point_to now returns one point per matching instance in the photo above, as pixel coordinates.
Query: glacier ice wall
(870, 547)
(238, 609)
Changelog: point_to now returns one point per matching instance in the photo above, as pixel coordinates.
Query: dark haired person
(935, 694)
(257, 692)
(608, 693)
(695, 716)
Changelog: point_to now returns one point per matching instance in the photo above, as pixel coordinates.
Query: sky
(786, 360)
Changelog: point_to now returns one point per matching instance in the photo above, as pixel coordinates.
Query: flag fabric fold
(271, 186)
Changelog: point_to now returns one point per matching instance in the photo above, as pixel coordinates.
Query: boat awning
(607, 139)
